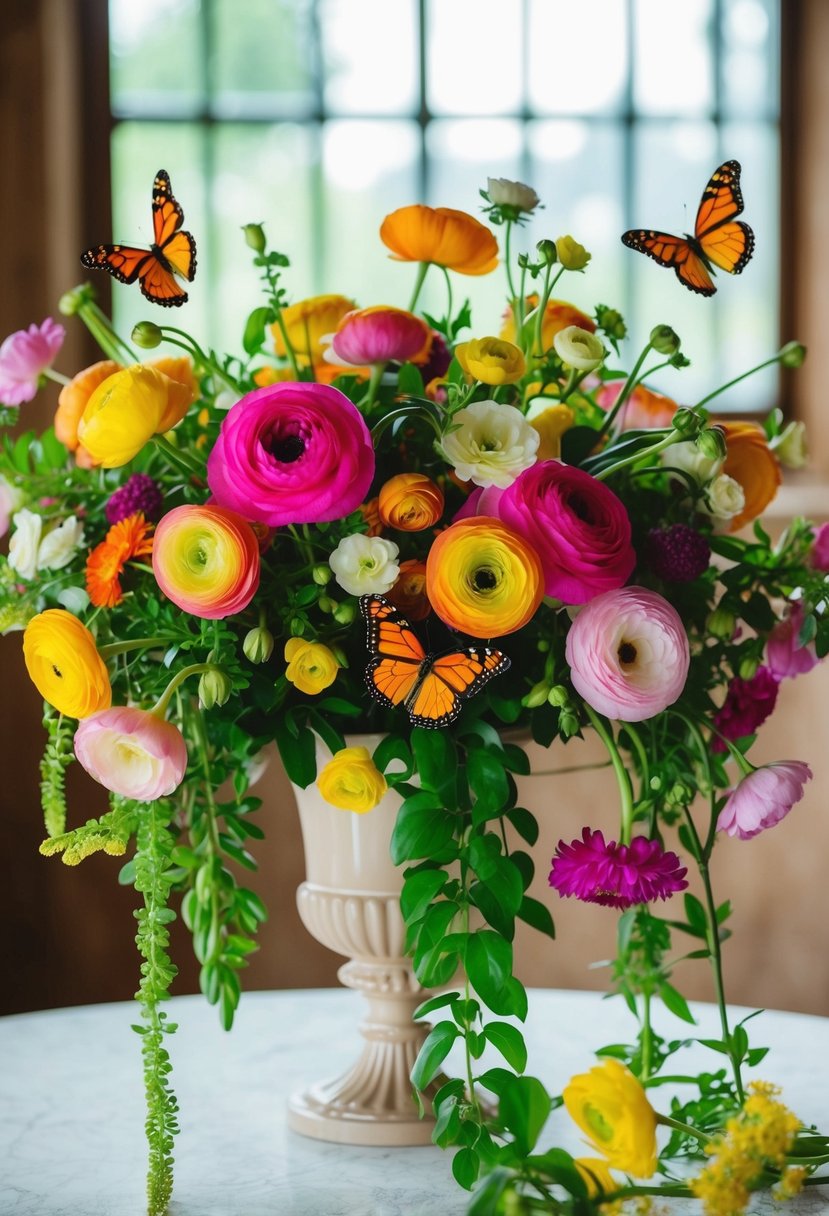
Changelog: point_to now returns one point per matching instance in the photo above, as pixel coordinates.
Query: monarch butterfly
(718, 237)
(432, 688)
(172, 252)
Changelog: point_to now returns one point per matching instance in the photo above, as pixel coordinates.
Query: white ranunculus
(691, 460)
(11, 499)
(492, 445)
(24, 543)
(502, 191)
(724, 498)
(579, 348)
(791, 448)
(57, 548)
(365, 565)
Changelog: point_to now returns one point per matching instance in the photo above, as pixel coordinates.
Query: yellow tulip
(352, 781)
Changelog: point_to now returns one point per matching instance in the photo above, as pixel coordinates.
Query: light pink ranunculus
(628, 654)
(820, 549)
(763, 798)
(132, 752)
(577, 526)
(380, 335)
(292, 454)
(24, 357)
(643, 410)
(784, 657)
(482, 501)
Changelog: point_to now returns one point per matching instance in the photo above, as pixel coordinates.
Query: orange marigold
(127, 539)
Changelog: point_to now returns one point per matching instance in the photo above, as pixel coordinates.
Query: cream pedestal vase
(350, 902)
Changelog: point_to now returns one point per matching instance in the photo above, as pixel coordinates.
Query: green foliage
(109, 834)
(57, 756)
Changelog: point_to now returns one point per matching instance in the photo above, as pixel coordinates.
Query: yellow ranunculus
(491, 360)
(571, 254)
(312, 667)
(307, 322)
(64, 665)
(123, 413)
(596, 1174)
(551, 421)
(352, 781)
(482, 578)
(610, 1106)
(182, 390)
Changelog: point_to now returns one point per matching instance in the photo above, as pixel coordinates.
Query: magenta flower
(138, 493)
(628, 654)
(785, 658)
(24, 357)
(763, 798)
(747, 705)
(616, 875)
(380, 335)
(132, 752)
(577, 526)
(292, 454)
(820, 548)
(677, 554)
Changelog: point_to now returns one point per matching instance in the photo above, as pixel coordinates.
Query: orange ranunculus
(73, 398)
(307, 322)
(482, 578)
(751, 462)
(551, 419)
(371, 514)
(441, 235)
(183, 391)
(410, 502)
(557, 316)
(409, 592)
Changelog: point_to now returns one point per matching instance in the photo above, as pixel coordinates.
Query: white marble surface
(71, 1106)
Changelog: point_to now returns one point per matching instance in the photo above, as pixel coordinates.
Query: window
(320, 116)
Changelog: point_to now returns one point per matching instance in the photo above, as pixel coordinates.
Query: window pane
(751, 51)
(673, 57)
(156, 58)
(262, 58)
(571, 83)
(139, 150)
(474, 56)
(370, 55)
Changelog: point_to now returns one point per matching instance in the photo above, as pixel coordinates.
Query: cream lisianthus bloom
(724, 498)
(365, 565)
(57, 548)
(505, 193)
(493, 443)
(579, 348)
(687, 457)
(25, 542)
(791, 448)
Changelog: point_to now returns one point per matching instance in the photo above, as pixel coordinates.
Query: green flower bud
(655, 783)
(296, 627)
(258, 644)
(559, 696)
(536, 696)
(611, 322)
(147, 335)
(215, 687)
(542, 645)
(322, 574)
(748, 668)
(685, 420)
(664, 340)
(793, 354)
(568, 723)
(71, 301)
(679, 794)
(345, 613)
(255, 237)
(711, 443)
(327, 604)
(547, 252)
(721, 623)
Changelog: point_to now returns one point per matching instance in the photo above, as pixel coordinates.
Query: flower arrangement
(192, 547)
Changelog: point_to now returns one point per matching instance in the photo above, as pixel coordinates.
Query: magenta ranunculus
(763, 798)
(628, 654)
(292, 454)
(820, 548)
(616, 875)
(746, 706)
(380, 335)
(132, 752)
(24, 357)
(785, 658)
(577, 526)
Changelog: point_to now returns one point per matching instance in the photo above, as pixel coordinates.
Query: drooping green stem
(113, 648)
(289, 350)
(725, 387)
(627, 388)
(422, 271)
(182, 461)
(667, 1121)
(622, 775)
(513, 295)
(55, 376)
(448, 278)
(194, 669)
(98, 324)
(185, 342)
(642, 454)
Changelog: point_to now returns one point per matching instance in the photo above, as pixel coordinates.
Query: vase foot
(322, 1113)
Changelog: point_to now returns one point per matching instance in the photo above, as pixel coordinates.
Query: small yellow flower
(571, 254)
(791, 1183)
(312, 667)
(491, 360)
(595, 1172)
(609, 1105)
(352, 781)
(551, 422)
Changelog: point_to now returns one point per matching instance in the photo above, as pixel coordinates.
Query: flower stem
(724, 388)
(667, 1121)
(421, 275)
(653, 450)
(114, 648)
(627, 388)
(57, 377)
(185, 342)
(448, 278)
(160, 707)
(647, 1037)
(377, 370)
(622, 775)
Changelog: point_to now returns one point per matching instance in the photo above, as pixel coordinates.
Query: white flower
(11, 499)
(579, 348)
(790, 447)
(226, 398)
(24, 543)
(724, 498)
(58, 546)
(492, 445)
(505, 193)
(365, 565)
(691, 460)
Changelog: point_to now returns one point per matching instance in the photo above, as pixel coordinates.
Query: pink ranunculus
(482, 501)
(746, 706)
(784, 657)
(24, 357)
(820, 548)
(763, 798)
(577, 526)
(643, 410)
(132, 752)
(380, 335)
(292, 454)
(628, 654)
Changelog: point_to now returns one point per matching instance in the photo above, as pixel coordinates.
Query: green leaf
(447, 1124)
(298, 753)
(410, 381)
(435, 759)
(509, 1041)
(423, 827)
(433, 1052)
(465, 1167)
(337, 705)
(486, 1200)
(489, 967)
(739, 1041)
(419, 889)
(253, 338)
(525, 823)
(435, 1002)
(537, 914)
(558, 1165)
(488, 782)
(331, 737)
(390, 749)
(506, 885)
(755, 1054)
(676, 1003)
(577, 443)
(494, 914)
(524, 1108)
(516, 759)
(807, 631)
(696, 914)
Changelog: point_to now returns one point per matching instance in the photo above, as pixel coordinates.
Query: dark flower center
(582, 508)
(627, 653)
(484, 579)
(285, 448)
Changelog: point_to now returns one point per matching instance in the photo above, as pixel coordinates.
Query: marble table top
(71, 1106)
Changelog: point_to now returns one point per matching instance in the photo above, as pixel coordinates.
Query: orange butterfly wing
(158, 284)
(728, 244)
(178, 248)
(674, 252)
(124, 262)
(394, 670)
(450, 680)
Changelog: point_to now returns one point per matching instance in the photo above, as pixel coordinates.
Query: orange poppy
(441, 235)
